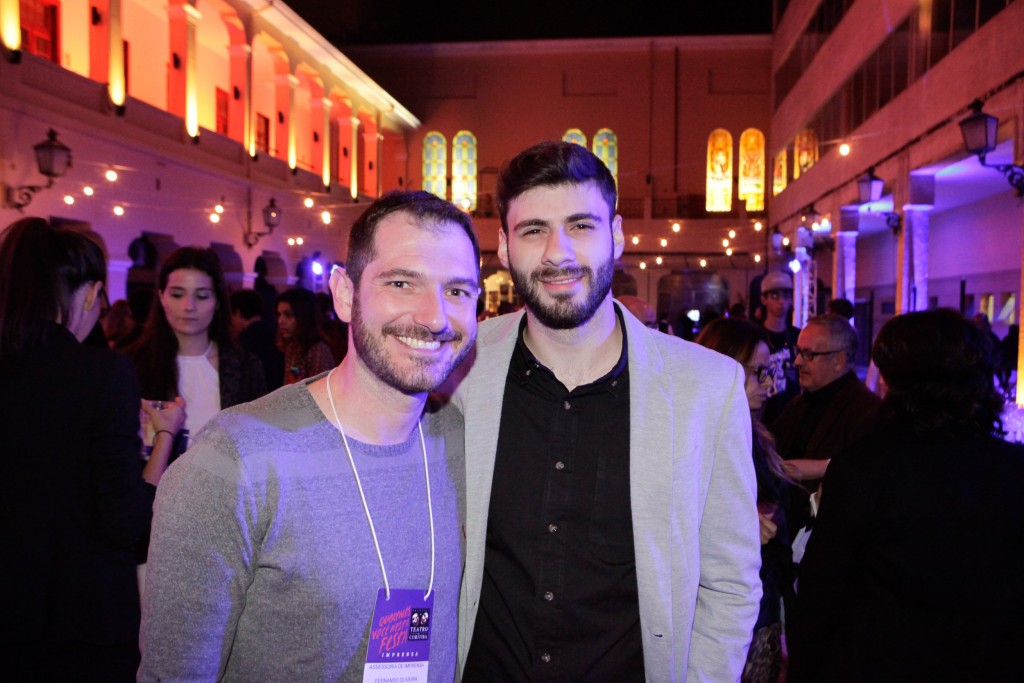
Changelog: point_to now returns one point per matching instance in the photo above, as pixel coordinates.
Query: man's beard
(564, 313)
(424, 375)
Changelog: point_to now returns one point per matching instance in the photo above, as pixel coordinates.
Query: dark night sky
(368, 22)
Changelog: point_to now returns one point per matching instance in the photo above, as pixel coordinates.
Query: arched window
(435, 164)
(719, 171)
(576, 136)
(464, 170)
(606, 148)
(752, 169)
(805, 152)
(779, 176)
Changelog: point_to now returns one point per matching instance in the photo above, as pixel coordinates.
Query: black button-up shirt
(559, 595)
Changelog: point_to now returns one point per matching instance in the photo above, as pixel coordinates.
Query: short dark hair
(247, 303)
(548, 164)
(429, 211)
(41, 268)
(841, 307)
(939, 369)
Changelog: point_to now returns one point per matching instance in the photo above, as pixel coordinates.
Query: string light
(732, 234)
(219, 208)
(664, 242)
(118, 210)
(326, 217)
(111, 175)
(215, 217)
(703, 263)
(728, 252)
(643, 265)
(87, 191)
(291, 241)
(844, 149)
(757, 258)
(299, 241)
(69, 200)
(308, 202)
(725, 243)
(785, 241)
(758, 226)
(676, 227)
(635, 240)
(659, 260)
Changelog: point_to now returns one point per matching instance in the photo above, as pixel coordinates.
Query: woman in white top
(186, 348)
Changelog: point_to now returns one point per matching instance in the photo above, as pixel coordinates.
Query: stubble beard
(564, 313)
(425, 375)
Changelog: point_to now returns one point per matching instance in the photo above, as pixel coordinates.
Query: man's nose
(431, 311)
(558, 248)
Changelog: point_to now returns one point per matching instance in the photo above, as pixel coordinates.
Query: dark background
(373, 22)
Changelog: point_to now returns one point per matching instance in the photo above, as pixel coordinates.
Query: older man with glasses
(835, 407)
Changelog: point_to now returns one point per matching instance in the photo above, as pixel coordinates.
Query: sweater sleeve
(201, 561)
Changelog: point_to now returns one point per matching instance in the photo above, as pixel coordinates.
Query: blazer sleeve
(123, 501)
(729, 589)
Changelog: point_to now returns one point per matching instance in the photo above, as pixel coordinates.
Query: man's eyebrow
(530, 223)
(400, 272)
(464, 281)
(577, 217)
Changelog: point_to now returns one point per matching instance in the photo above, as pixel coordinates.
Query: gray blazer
(692, 493)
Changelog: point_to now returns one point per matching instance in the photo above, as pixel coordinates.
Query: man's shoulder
(679, 355)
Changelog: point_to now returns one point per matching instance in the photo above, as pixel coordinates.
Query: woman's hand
(166, 416)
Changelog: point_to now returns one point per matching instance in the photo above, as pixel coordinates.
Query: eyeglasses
(809, 355)
(763, 372)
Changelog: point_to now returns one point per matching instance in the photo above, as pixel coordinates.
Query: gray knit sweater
(262, 566)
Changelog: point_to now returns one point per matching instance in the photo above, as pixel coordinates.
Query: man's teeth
(420, 343)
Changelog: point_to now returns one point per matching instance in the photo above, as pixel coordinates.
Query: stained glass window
(606, 148)
(805, 152)
(719, 171)
(576, 136)
(464, 170)
(779, 175)
(751, 186)
(435, 164)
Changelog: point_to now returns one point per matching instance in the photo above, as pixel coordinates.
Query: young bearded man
(302, 533)
(612, 529)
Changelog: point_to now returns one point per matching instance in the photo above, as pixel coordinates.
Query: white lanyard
(366, 508)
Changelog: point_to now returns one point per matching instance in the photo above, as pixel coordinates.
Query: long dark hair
(939, 371)
(41, 268)
(155, 353)
(307, 317)
(739, 339)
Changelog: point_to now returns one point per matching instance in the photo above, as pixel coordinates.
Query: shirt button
(549, 596)
(567, 406)
(559, 465)
(552, 528)
(545, 658)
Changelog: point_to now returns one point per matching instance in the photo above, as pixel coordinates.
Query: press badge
(399, 646)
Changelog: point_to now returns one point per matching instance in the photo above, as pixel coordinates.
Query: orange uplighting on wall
(805, 152)
(779, 175)
(719, 171)
(751, 183)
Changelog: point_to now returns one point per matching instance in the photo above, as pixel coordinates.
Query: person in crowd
(913, 570)
(118, 323)
(777, 300)
(612, 529)
(640, 309)
(253, 334)
(1008, 352)
(334, 331)
(841, 307)
(186, 349)
(306, 354)
(747, 344)
(140, 300)
(267, 291)
(294, 541)
(835, 407)
(73, 498)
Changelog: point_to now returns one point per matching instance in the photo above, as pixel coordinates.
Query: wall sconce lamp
(271, 219)
(53, 158)
(979, 131)
(869, 189)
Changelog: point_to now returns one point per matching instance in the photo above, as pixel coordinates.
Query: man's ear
(343, 292)
(503, 247)
(617, 237)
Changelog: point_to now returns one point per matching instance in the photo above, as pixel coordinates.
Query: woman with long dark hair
(73, 498)
(186, 349)
(913, 572)
(306, 354)
(748, 345)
